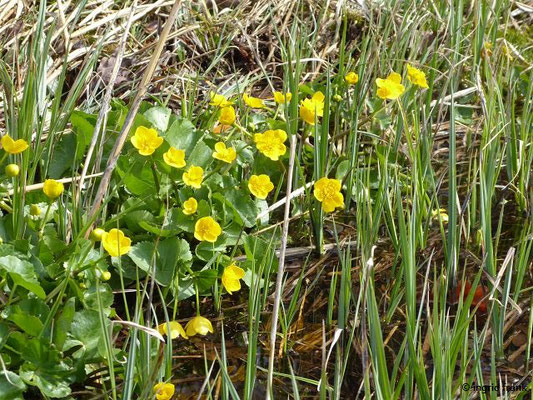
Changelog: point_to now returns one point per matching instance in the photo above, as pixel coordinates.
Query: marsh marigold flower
(198, 325)
(281, 98)
(219, 100)
(194, 177)
(175, 157)
(207, 229)
(116, 243)
(176, 330)
(223, 153)
(253, 102)
(260, 186)
(190, 206)
(328, 192)
(309, 108)
(146, 140)
(352, 78)
(52, 189)
(164, 391)
(227, 115)
(391, 87)
(271, 144)
(13, 146)
(416, 76)
(231, 278)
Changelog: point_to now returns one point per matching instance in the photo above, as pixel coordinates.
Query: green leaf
(206, 279)
(90, 298)
(22, 274)
(205, 250)
(85, 328)
(182, 135)
(201, 156)
(63, 322)
(342, 170)
(11, 386)
(141, 255)
(158, 117)
(243, 206)
(137, 177)
(63, 155)
(172, 251)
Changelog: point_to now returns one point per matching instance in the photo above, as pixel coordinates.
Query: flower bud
(12, 170)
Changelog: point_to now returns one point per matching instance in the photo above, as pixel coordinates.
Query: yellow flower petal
(13, 146)
(116, 243)
(175, 158)
(176, 330)
(190, 206)
(260, 186)
(198, 325)
(253, 102)
(164, 391)
(223, 153)
(227, 115)
(207, 229)
(194, 177)
(352, 78)
(146, 140)
(52, 189)
(271, 143)
(327, 191)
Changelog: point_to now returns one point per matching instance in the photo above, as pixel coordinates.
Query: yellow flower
(223, 153)
(176, 330)
(441, 214)
(13, 146)
(175, 157)
(194, 177)
(309, 108)
(52, 189)
(198, 325)
(190, 206)
(271, 144)
(260, 186)
(391, 87)
(231, 278)
(352, 78)
(164, 391)
(416, 76)
(227, 115)
(219, 100)
(328, 192)
(146, 140)
(281, 98)
(253, 102)
(116, 243)
(207, 229)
